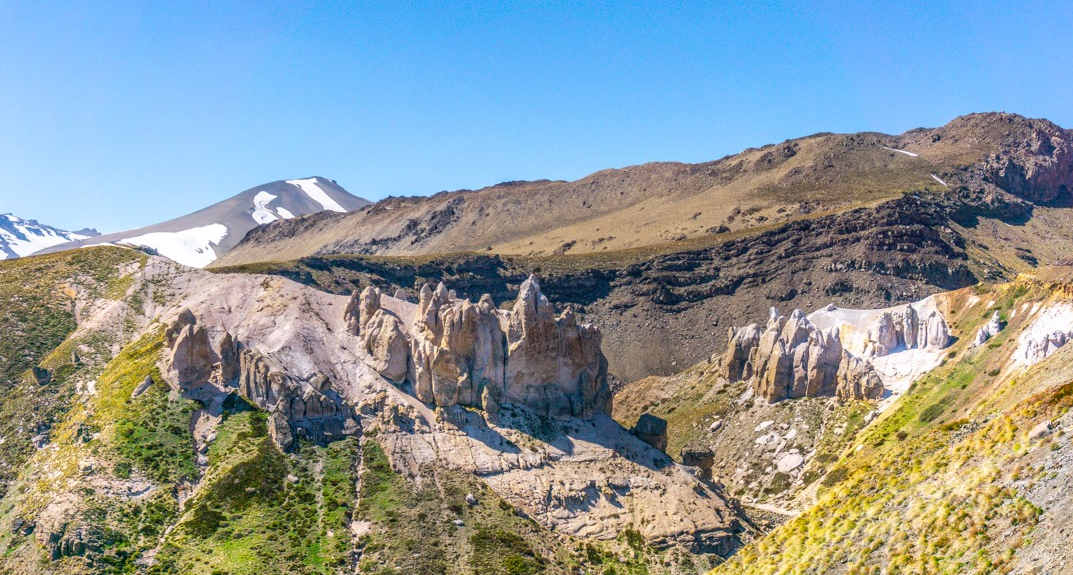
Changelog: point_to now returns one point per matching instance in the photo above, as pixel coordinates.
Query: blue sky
(126, 115)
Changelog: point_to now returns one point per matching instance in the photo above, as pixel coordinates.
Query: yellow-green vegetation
(261, 511)
(37, 297)
(937, 484)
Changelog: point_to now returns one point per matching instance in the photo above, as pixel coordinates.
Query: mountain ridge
(21, 237)
(671, 201)
(198, 238)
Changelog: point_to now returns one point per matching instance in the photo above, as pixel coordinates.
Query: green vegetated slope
(38, 296)
(947, 480)
(116, 485)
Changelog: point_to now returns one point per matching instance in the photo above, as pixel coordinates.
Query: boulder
(651, 430)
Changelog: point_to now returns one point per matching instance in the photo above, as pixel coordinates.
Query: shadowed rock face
(461, 353)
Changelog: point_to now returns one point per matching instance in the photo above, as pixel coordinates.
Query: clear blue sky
(122, 115)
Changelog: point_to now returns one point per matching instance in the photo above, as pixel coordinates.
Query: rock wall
(791, 358)
(308, 409)
(456, 352)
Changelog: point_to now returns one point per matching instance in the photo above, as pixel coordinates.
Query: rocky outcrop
(192, 355)
(792, 358)
(552, 361)
(308, 409)
(740, 343)
(360, 308)
(385, 341)
(933, 333)
(988, 330)
(472, 354)
(651, 430)
(903, 329)
(857, 379)
(1038, 166)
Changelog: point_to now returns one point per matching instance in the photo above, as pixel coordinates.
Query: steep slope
(249, 424)
(197, 239)
(665, 202)
(965, 473)
(19, 237)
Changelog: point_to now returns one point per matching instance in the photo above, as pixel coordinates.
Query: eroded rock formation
(988, 330)
(894, 331)
(463, 353)
(792, 358)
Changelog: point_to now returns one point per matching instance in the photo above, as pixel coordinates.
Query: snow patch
(262, 214)
(940, 180)
(191, 247)
(906, 152)
(284, 213)
(317, 194)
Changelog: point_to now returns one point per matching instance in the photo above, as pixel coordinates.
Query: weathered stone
(857, 379)
(791, 358)
(741, 341)
(882, 336)
(910, 326)
(699, 456)
(360, 308)
(192, 357)
(988, 330)
(229, 362)
(934, 332)
(652, 430)
(144, 385)
(386, 343)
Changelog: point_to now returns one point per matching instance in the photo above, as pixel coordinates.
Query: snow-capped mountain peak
(198, 238)
(21, 237)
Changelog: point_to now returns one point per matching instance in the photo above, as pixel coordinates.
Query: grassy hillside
(959, 476)
(38, 364)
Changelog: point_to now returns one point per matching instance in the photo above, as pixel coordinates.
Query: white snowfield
(317, 194)
(262, 212)
(906, 152)
(192, 247)
(30, 236)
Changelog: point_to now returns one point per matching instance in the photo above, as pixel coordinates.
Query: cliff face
(460, 353)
